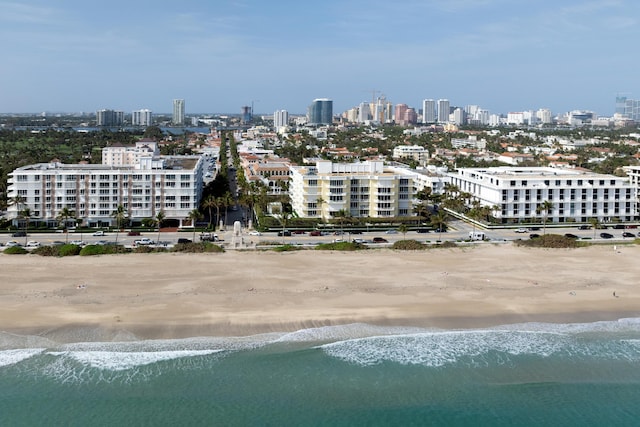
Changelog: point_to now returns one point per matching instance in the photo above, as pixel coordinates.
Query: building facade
(364, 189)
(141, 117)
(320, 112)
(109, 118)
(172, 185)
(178, 112)
(428, 111)
(443, 110)
(576, 195)
(280, 119)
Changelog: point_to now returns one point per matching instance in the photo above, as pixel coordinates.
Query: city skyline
(75, 57)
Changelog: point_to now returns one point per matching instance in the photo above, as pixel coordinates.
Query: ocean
(529, 374)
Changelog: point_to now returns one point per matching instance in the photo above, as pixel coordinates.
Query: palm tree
(319, 202)
(26, 215)
(160, 216)
(439, 221)
(209, 203)
(595, 223)
(64, 214)
(341, 216)
(544, 208)
(120, 215)
(194, 216)
(403, 229)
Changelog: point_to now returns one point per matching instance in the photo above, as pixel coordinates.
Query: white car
(33, 244)
(77, 242)
(99, 233)
(144, 241)
(254, 233)
(522, 230)
(12, 243)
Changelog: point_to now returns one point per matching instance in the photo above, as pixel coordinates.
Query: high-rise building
(428, 111)
(544, 115)
(320, 112)
(398, 114)
(141, 117)
(109, 118)
(246, 114)
(443, 110)
(364, 112)
(628, 108)
(178, 112)
(280, 119)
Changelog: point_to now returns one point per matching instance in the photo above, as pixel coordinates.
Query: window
(313, 182)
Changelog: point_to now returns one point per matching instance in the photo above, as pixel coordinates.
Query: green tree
(194, 216)
(595, 223)
(440, 221)
(63, 216)
(25, 214)
(160, 216)
(544, 208)
(209, 203)
(403, 229)
(120, 215)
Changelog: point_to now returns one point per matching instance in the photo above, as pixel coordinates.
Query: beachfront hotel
(577, 195)
(134, 177)
(366, 189)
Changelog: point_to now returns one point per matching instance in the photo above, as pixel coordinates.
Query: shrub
(340, 246)
(199, 247)
(286, 248)
(408, 245)
(549, 241)
(15, 250)
(46, 251)
(68, 250)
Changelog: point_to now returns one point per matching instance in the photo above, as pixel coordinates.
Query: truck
(209, 237)
(477, 235)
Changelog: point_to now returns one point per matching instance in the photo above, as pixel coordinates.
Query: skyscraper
(280, 119)
(109, 118)
(178, 112)
(428, 111)
(320, 112)
(443, 110)
(141, 117)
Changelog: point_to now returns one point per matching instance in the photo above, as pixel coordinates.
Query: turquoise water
(513, 375)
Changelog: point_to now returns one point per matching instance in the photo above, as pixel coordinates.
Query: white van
(477, 235)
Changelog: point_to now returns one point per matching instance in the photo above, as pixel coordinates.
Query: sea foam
(11, 357)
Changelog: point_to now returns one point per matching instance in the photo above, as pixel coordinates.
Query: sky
(503, 55)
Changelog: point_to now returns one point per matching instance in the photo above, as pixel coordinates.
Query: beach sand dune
(149, 296)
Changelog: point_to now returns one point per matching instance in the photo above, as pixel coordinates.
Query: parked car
(284, 233)
(584, 227)
(392, 231)
(358, 241)
(299, 232)
(570, 236)
(628, 234)
(521, 230)
(356, 232)
(606, 236)
(19, 234)
(380, 240)
(12, 243)
(99, 233)
(422, 230)
(619, 227)
(144, 241)
(254, 233)
(77, 242)
(315, 233)
(534, 236)
(184, 241)
(534, 228)
(33, 244)
(133, 233)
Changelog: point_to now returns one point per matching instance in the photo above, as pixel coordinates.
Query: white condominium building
(415, 152)
(576, 195)
(172, 185)
(362, 189)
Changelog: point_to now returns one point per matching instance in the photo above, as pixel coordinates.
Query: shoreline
(174, 296)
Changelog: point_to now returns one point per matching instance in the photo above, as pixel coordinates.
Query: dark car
(380, 240)
(422, 230)
(534, 228)
(619, 227)
(315, 233)
(284, 233)
(19, 234)
(570, 236)
(606, 235)
(183, 241)
(534, 236)
(584, 227)
(133, 233)
(628, 234)
(356, 232)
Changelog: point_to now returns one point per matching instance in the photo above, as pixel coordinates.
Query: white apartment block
(141, 117)
(414, 152)
(172, 185)
(364, 189)
(119, 155)
(576, 195)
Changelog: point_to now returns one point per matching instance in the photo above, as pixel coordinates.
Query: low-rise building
(365, 189)
(575, 194)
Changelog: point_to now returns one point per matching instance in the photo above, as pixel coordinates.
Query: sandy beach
(150, 296)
